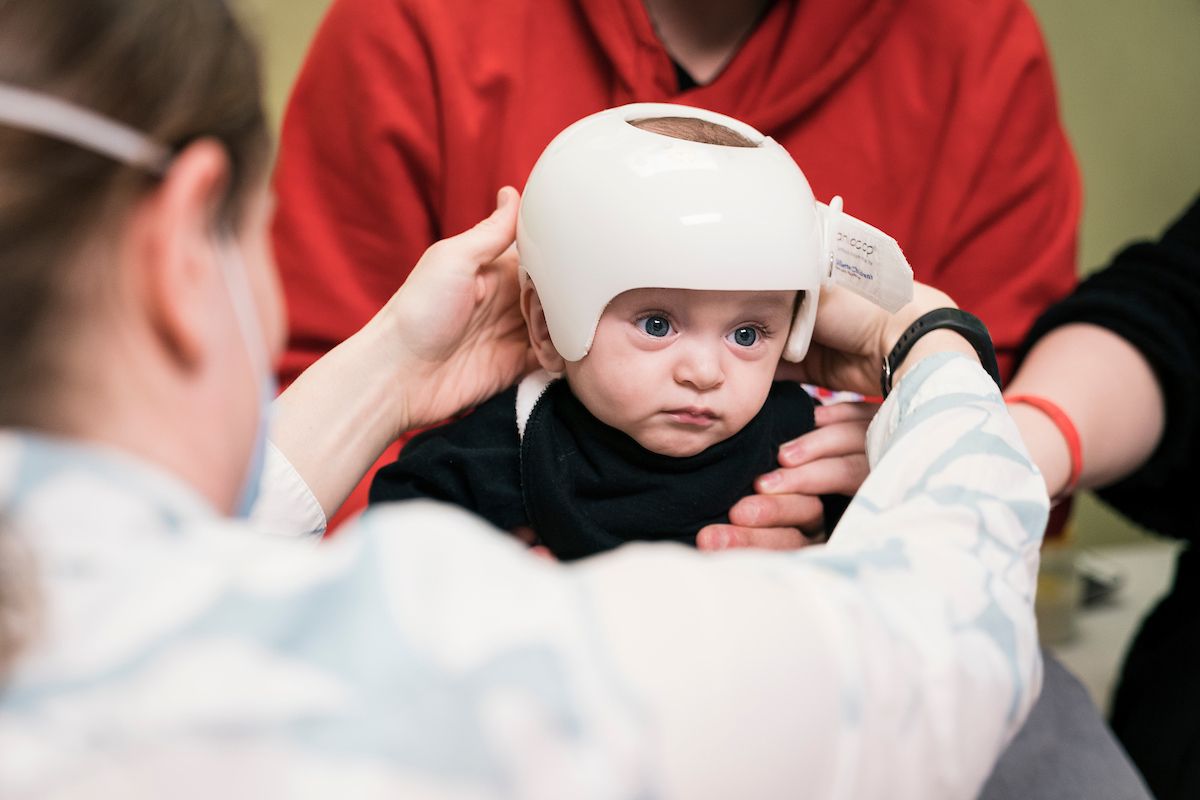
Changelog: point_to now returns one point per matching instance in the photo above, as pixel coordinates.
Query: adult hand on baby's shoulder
(828, 460)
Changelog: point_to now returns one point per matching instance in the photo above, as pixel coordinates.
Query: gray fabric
(1065, 751)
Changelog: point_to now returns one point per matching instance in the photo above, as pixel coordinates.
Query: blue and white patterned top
(421, 654)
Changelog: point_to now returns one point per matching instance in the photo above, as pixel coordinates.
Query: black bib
(588, 487)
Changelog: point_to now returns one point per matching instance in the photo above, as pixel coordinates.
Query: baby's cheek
(755, 394)
(612, 400)
(625, 382)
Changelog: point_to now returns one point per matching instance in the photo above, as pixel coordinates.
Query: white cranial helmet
(610, 207)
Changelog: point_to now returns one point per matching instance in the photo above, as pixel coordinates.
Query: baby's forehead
(679, 301)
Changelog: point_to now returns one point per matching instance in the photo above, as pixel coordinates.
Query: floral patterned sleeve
(421, 654)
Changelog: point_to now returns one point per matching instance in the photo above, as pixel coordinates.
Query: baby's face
(680, 370)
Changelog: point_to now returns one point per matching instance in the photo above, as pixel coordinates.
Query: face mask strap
(59, 119)
(237, 282)
(241, 294)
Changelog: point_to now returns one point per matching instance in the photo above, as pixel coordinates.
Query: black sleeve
(1150, 296)
(473, 462)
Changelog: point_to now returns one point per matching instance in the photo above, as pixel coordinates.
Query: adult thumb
(492, 236)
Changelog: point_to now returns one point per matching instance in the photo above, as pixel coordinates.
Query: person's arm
(896, 661)
(1121, 358)
(1107, 389)
(451, 337)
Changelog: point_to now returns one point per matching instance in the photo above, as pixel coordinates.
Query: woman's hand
(457, 323)
(831, 459)
(451, 337)
(851, 338)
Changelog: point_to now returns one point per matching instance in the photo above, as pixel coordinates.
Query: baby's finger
(729, 537)
(779, 511)
(833, 475)
(841, 439)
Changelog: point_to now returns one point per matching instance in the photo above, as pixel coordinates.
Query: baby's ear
(539, 331)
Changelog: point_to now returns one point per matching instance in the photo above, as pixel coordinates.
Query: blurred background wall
(1129, 87)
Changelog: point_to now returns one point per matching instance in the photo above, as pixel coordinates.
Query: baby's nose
(699, 366)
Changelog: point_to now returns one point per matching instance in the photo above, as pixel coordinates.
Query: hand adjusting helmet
(610, 207)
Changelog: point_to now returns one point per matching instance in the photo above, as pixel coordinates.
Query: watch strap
(967, 325)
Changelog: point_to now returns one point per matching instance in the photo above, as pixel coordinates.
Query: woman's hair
(176, 70)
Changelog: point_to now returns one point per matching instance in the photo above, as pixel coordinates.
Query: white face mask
(56, 118)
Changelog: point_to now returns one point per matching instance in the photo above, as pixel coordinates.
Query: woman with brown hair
(155, 644)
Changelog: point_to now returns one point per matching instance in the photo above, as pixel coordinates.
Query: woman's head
(177, 70)
(101, 259)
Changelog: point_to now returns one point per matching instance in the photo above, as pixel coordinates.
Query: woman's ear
(539, 331)
(173, 250)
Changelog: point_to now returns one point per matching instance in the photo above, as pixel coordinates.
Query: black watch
(969, 326)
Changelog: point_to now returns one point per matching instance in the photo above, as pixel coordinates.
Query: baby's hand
(829, 460)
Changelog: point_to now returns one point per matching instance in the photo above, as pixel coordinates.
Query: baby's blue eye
(745, 336)
(655, 326)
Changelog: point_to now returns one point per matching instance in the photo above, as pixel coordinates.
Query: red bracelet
(1067, 428)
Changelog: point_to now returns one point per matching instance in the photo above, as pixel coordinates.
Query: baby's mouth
(694, 416)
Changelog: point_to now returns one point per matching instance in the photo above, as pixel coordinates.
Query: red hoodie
(936, 120)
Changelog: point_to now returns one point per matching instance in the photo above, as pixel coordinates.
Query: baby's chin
(679, 444)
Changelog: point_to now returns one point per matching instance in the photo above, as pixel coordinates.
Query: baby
(671, 256)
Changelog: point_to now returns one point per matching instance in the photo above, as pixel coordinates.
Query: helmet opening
(693, 129)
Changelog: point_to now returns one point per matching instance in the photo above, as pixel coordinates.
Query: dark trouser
(1156, 710)
(1065, 751)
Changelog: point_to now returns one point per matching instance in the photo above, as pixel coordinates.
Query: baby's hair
(693, 130)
